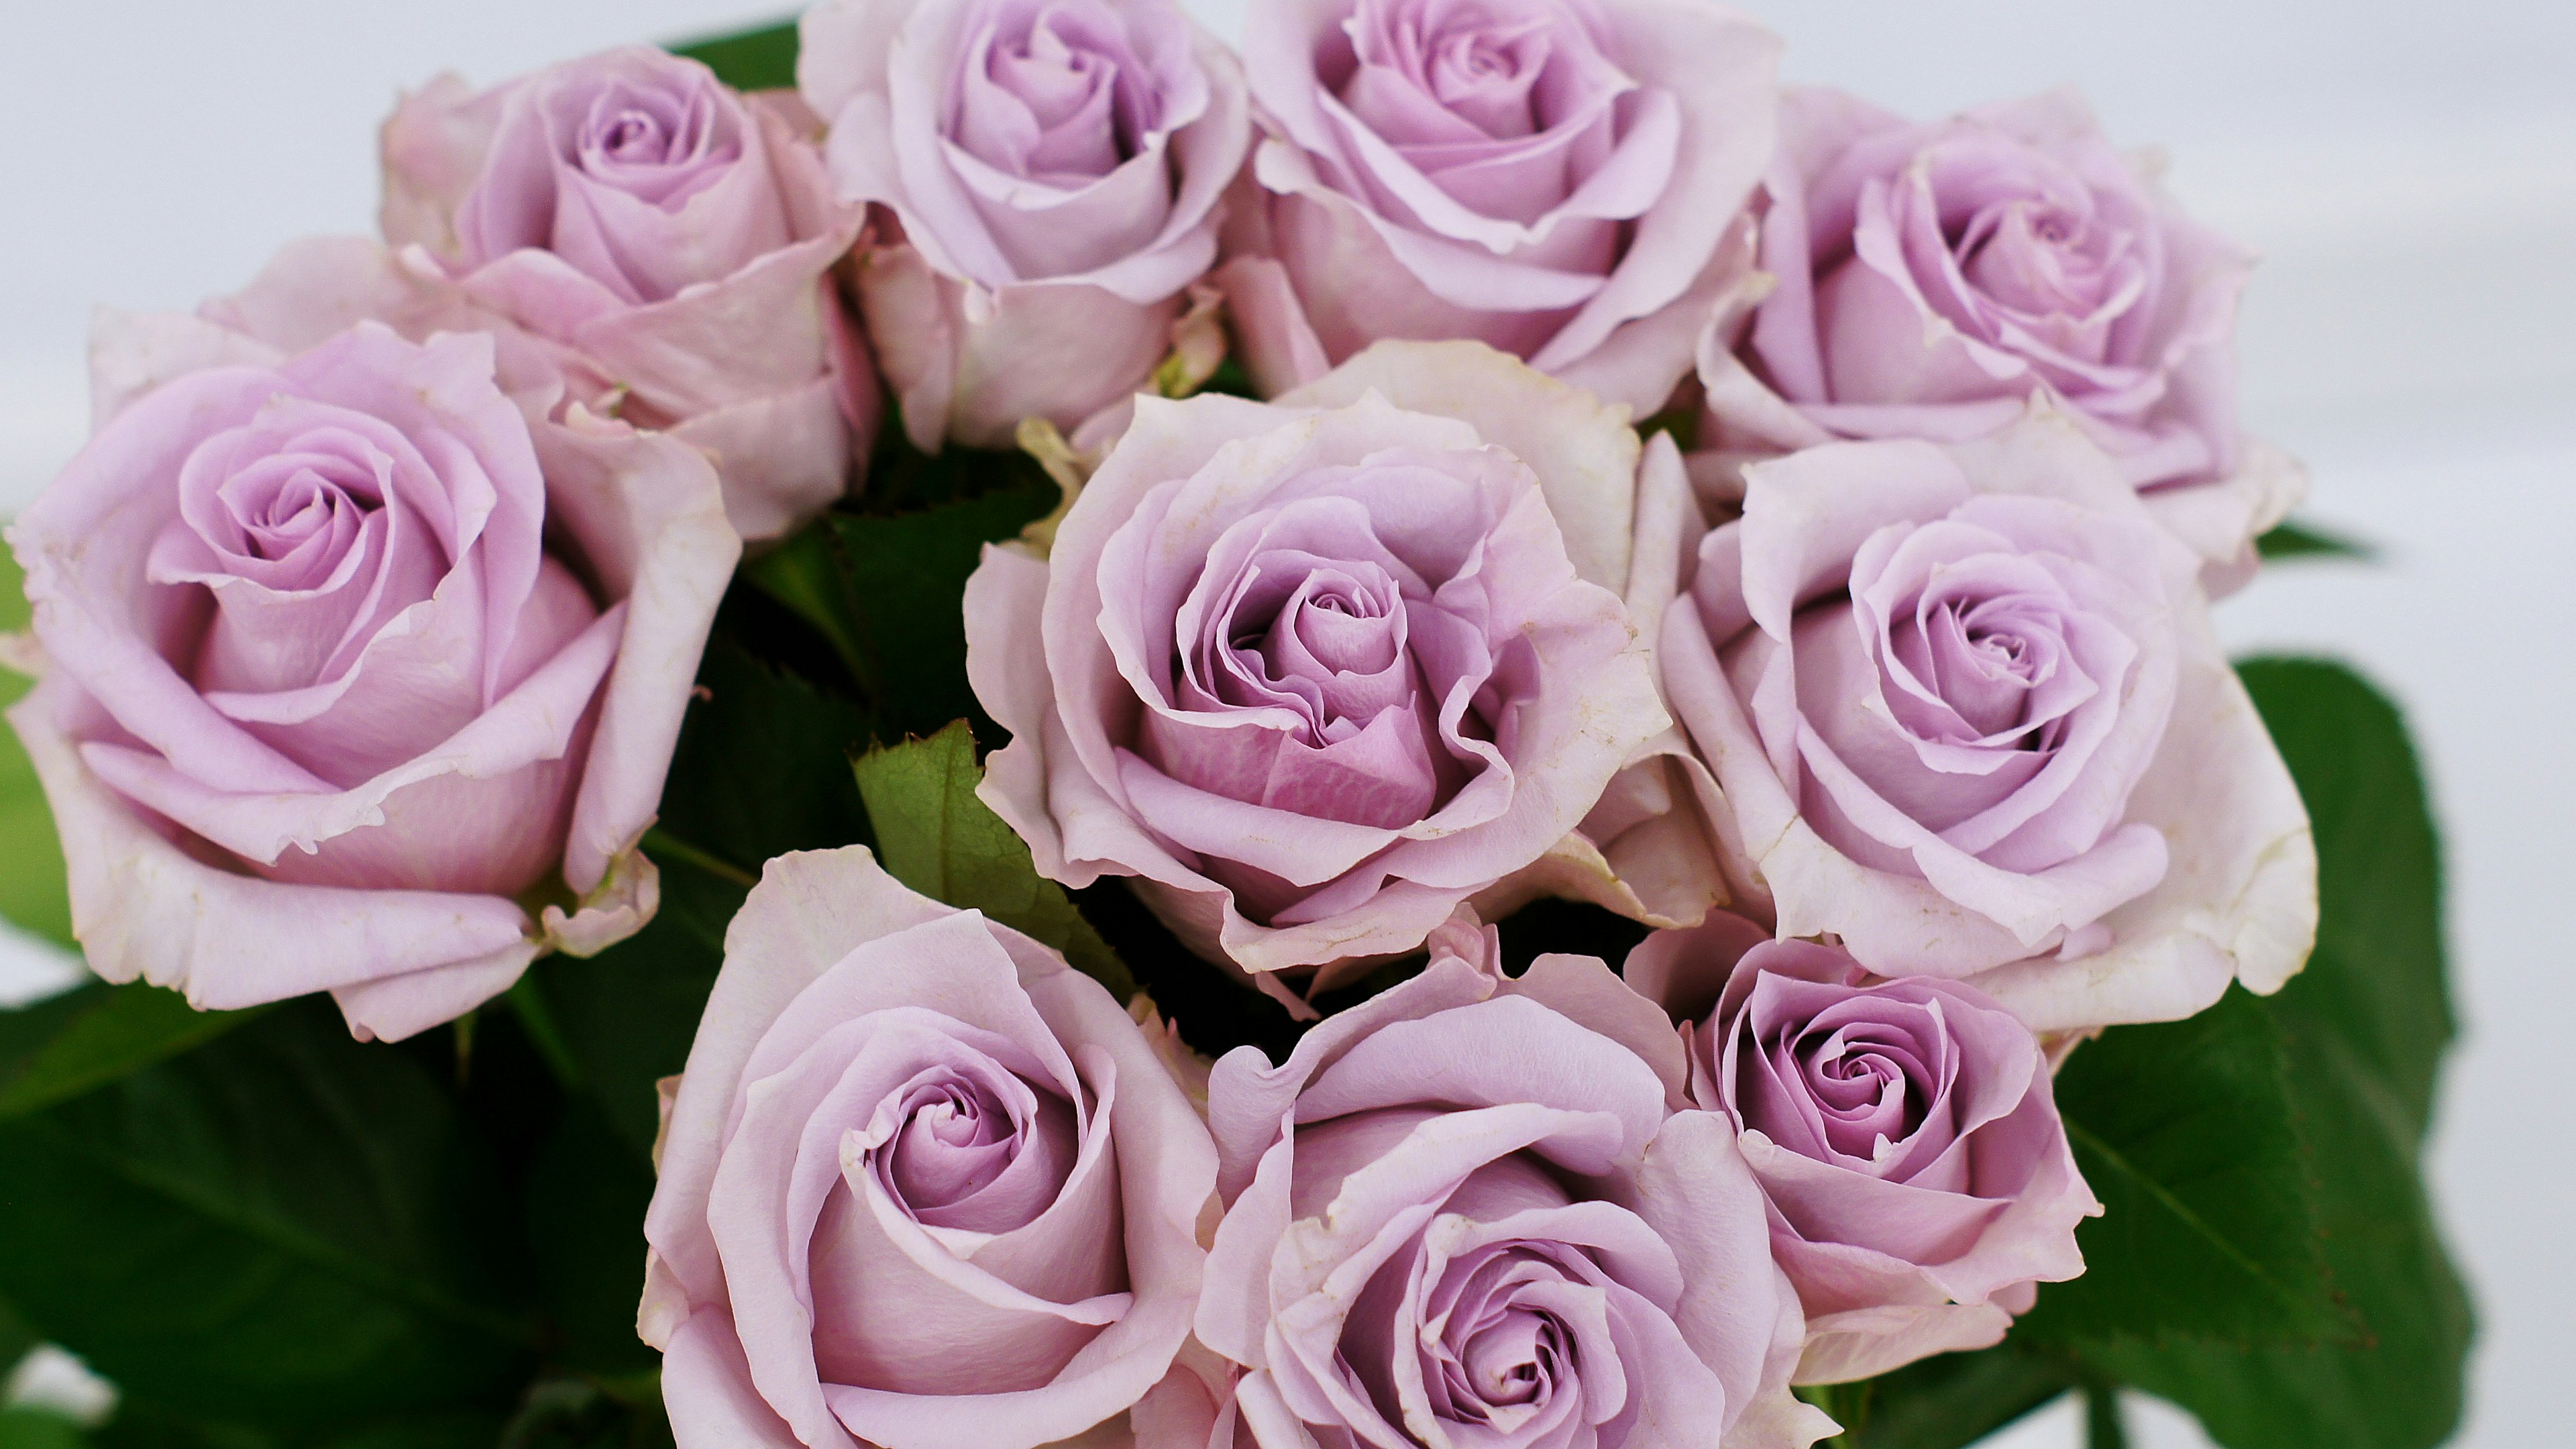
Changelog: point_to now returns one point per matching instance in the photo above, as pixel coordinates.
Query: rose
(1315, 673)
(1552, 177)
(342, 654)
(923, 1184)
(672, 239)
(1052, 172)
(1932, 278)
(1903, 1131)
(1968, 716)
(1469, 1203)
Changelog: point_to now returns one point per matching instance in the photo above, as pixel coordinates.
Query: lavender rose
(1466, 1210)
(1552, 177)
(342, 655)
(1920, 1183)
(674, 242)
(1047, 177)
(1969, 717)
(922, 1185)
(1931, 278)
(1315, 673)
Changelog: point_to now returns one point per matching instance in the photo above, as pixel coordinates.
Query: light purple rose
(1969, 717)
(1931, 278)
(923, 1185)
(1468, 1211)
(1561, 179)
(1903, 1131)
(1046, 175)
(673, 240)
(1314, 673)
(344, 656)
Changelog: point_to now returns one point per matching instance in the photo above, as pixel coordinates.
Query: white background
(2408, 170)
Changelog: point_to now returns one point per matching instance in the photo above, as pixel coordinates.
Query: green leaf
(1948, 1401)
(283, 1228)
(628, 1015)
(887, 590)
(2304, 540)
(61, 1047)
(936, 837)
(15, 1339)
(2363, 1029)
(36, 1429)
(2184, 1130)
(748, 60)
(762, 766)
(2377, 981)
(32, 893)
(586, 1201)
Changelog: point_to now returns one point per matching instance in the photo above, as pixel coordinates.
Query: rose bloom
(1969, 717)
(1903, 1131)
(1931, 278)
(922, 1185)
(344, 655)
(1045, 177)
(1314, 673)
(672, 240)
(1552, 177)
(1467, 1211)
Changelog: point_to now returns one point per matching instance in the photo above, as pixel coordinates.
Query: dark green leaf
(628, 1015)
(887, 591)
(15, 1339)
(748, 60)
(84, 1039)
(577, 1414)
(1950, 1400)
(32, 894)
(2302, 540)
(36, 1429)
(763, 764)
(2364, 1027)
(2376, 983)
(281, 1228)
(586, 1204)
(936, 837)
(2184, 1131)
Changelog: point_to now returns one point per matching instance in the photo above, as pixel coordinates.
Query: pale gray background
(2408, 170)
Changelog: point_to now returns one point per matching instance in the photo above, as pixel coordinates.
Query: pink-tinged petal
(784, 458)
(707, 1388)
(432, 148)
(649, 516)
(1863, 1343)
(1737, 1312)
(145, 910)
(1276, 343)
(1585, 460)
(394, 1007)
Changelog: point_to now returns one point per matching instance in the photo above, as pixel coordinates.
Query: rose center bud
(1057, 94)
(660, 146)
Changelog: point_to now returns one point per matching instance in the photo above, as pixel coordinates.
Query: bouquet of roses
(998, 729)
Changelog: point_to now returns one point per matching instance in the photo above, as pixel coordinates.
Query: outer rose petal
(969, 363)
(811, 911)
(2238, 897)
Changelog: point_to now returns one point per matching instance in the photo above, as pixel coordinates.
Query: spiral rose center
(1061, 93)
(661, 146)
(969, 1144)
